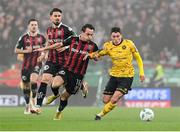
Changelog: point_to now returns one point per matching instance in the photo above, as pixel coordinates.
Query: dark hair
(55, 10)
(31, 20)
(115, 29)
(87, 26)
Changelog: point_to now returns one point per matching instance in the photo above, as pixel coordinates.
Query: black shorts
(26, 73)
(73, 82)
(51, 68)
(122, 84)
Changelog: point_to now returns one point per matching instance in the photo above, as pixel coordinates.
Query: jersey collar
(54, 26)
(119, 43)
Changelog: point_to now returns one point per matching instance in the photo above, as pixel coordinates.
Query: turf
(82, 119)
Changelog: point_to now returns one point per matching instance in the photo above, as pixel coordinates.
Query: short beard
(56, 23)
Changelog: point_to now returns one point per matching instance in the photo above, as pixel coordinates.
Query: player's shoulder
(74, 37)
(23, 36)
(66, 27)
(108, 43)
(92, 42)
(93, 45)
(128, 41)
(41, 35)
(49, 27)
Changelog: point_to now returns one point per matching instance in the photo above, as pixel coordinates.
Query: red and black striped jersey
(38, 41)
(77, 51)
(58, 34)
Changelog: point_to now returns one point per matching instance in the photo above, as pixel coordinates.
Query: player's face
(56, 18)
(88, 34)
(116, 37)
(33, 26)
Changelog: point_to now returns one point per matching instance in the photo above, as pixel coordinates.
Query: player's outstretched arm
(23, 51)
(61, 49)
(140, 65)
(48, 47)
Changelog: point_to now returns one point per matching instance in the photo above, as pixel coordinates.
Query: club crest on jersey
(123, 47)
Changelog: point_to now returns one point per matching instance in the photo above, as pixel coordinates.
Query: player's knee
(56, 84)
(46, 79)
(106, 100)
(34, 77)
(33, 81)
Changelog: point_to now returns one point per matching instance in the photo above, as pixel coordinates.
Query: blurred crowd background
(154, 25)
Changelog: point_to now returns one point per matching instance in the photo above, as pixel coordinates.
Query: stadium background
(154, 26)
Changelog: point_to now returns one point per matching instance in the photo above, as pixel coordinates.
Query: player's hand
(85, 88)
(94, 56)
(142, 78)
(29, 49)
(61, 49)
(58, 45)
(86, 56)
(46, 57)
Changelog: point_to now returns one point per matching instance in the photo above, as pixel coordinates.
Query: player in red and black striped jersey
(72, 74)
(55, 34)
(78, 50)
(26, 45)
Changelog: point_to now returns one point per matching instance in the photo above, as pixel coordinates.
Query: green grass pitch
(82, 119)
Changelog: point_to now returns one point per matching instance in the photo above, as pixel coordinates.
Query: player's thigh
(110, 86)
(73, 82)
(116, 96)
(124, 84)
(57, 81)
(34, 77)
(106, 98)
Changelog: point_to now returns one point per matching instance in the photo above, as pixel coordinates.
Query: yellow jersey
(122, 56)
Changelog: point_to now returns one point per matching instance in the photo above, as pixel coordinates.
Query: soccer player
(31, 60)
(56, 33)
(72, 74)
(121, 51)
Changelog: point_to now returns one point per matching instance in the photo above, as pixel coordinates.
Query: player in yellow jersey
(121, 51)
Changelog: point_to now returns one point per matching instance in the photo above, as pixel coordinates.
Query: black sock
(34, 89)
(63, 104)
(55, 90)
(41, 93)
(26, 95)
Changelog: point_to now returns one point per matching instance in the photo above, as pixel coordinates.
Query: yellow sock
(107, 108)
